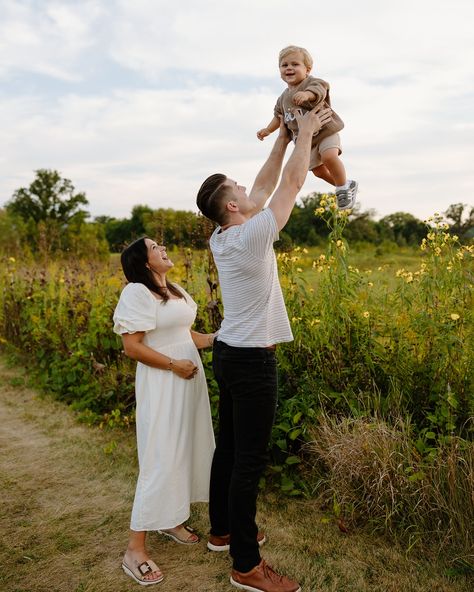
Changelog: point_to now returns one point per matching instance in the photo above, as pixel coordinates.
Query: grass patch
(66, 508)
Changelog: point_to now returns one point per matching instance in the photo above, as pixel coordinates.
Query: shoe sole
(219, 548)
(177, 540)
(130, 573)
(250, 588)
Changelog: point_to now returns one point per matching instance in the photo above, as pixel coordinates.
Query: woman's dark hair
(134, 259)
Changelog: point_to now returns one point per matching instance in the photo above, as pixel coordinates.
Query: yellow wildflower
(366, 314)
(454, 316)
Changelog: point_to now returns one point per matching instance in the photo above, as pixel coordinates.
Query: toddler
(304, 92)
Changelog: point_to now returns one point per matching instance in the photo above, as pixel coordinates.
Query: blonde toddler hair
(307, 59)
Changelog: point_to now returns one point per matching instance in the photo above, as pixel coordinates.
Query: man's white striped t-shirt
(254, 309)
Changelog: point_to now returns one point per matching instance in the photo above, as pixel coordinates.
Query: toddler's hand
(263, 133)
(302, 97)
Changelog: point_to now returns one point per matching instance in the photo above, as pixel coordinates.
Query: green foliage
(167, 226)
(363, 348)
(365, 343)
(48, 219)
(404, 228)
(12, 234)
(119, 232)
(48, 198)
(461, 224)
(180, 228)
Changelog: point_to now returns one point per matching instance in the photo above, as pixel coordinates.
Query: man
(244, 362)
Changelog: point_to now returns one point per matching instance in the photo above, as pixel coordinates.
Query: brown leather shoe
(262, 578)
(222, 543)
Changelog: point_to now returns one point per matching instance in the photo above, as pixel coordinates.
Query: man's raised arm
(268, 176)
(296, 169)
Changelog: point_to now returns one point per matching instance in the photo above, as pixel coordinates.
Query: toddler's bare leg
(322, 172)
(334, 165)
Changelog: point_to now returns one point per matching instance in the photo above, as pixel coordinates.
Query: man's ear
(232, 206)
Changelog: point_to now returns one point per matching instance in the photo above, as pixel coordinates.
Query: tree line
(49, 217)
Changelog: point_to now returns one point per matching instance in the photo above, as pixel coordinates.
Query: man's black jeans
(247, 379)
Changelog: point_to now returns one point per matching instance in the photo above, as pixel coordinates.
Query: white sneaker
(346, 197)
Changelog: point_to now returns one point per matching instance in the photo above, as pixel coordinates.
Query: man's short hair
(307, 59)
(212, 198)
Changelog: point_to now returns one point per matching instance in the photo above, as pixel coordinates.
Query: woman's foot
(142, 568)
(181, 534)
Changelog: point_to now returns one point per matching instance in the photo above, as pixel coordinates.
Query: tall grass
(371, 472)
(370, 348)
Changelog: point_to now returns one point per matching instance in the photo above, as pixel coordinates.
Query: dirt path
(65, 512)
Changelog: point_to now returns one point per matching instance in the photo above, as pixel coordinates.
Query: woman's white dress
(175, 440)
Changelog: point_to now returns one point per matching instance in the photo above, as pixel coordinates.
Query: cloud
(186, 87)
(47, 38)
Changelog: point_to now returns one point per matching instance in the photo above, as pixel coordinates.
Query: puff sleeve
(135, 311)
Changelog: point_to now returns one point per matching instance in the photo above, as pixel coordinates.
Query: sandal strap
(147, 567)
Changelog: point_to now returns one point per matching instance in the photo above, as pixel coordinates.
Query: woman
(175, 439)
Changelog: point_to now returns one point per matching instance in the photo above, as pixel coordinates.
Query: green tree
(178, 227)
(304, 227)
(362, 228)
(406, 229)
(49, 197)
(121, 231)
(49, 206)
(462, 222)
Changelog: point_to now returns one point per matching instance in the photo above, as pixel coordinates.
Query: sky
(137, 101)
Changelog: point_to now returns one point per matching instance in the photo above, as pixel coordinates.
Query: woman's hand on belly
(184, 368)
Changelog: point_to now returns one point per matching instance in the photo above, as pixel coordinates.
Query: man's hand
(313, 120)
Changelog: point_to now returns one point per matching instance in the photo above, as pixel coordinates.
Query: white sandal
(139, 573)
(176, 538)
